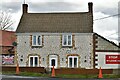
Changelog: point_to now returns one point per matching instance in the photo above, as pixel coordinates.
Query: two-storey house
(62, 39)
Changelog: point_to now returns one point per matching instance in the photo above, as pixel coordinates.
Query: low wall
(59, 71)
(25, 69)
(82, 71)
(116, 71)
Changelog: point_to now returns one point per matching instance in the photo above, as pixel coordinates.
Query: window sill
(36, 46)
(67, 46)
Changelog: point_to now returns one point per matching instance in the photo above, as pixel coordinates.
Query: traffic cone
(53, 72)
(17, 69)
(100, 73)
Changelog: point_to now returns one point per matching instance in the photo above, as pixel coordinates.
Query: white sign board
(107, 60)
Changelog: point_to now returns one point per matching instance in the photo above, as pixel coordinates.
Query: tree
(5, 20)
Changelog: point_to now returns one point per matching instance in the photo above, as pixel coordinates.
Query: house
(62, 39)
(6, 47)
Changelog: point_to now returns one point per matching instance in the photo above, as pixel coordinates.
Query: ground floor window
(33, 61)
(73, 61)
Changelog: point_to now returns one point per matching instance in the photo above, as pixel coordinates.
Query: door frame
(55, 57)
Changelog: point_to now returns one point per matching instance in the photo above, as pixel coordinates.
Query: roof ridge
(59, 13)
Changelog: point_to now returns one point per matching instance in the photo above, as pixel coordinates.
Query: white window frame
(73, 66)
(67, 40)
(37, 40)
(34, 61)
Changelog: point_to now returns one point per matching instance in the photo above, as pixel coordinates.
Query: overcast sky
(102, 8)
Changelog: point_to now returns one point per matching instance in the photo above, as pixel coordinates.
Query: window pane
(75, 62)
(69, 40)
(36, 61)
(53, 62)
(39, 40)
(34, 40)
(70, 62)
(31, 61)
(65, 40)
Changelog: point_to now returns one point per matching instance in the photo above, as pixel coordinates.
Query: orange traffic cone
(100, 73)
(17, 69)
(53, 72)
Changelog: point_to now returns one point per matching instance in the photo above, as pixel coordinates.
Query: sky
(107, 27)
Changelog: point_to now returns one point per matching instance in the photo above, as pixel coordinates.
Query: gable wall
(104, 45)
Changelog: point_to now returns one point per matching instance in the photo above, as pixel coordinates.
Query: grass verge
(62, 75)
(26, 74)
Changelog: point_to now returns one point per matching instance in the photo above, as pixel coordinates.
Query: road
(6, 77)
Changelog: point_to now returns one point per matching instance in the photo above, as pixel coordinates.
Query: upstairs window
(67, 40)
(36, 40)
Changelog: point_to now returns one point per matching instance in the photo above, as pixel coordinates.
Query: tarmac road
(9, 77)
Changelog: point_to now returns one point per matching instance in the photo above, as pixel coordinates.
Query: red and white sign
(7, 59)
(112, 59)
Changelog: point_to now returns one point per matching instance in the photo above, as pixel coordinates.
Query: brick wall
(82, 71)
(60, 70)
(25, 69)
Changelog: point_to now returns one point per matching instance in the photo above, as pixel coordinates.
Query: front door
(53, 61)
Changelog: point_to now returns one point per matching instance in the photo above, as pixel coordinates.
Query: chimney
(25, 8)
(90, 7)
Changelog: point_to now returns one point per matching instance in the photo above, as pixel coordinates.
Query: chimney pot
(90, 7)
(25, 8)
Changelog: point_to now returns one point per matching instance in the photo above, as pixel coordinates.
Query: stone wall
(83, 46)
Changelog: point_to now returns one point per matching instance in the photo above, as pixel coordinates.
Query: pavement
(15, 77)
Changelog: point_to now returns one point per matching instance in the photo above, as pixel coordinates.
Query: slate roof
(73, 22)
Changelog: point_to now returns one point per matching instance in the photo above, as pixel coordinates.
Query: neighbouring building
(6, 48)
(62, 39)
(107, 53)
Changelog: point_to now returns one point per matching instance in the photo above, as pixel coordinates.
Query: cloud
(106, 27)
(102, 8)
(52, 6)
(119, 22)
(110, 23)
(109, 7)
(13, 7)
(16, 18)
(37, 1)
(108, 11)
